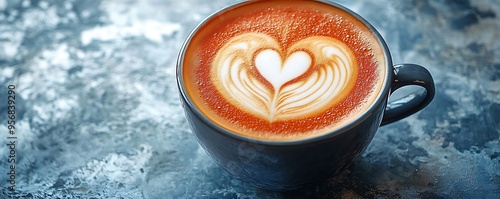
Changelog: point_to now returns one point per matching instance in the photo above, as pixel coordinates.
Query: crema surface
(279, 71)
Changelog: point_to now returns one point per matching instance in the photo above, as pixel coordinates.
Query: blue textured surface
(98, 113)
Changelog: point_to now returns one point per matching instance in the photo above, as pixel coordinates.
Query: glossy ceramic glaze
(285, 165)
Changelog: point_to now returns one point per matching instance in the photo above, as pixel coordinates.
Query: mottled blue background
(98, 113)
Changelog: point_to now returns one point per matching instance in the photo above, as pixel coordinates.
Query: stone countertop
(98, 112)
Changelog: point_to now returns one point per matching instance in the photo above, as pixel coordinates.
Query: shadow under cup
(295, 163)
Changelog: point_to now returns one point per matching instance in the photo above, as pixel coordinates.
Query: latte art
(282, 70)
(253, 72)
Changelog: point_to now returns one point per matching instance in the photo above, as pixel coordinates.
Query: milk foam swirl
(253, 73)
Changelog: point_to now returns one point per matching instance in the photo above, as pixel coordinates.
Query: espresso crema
(283, 70)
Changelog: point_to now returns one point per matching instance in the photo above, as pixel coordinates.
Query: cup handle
(405, 75)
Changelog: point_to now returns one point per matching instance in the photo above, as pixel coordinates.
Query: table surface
(98, 112)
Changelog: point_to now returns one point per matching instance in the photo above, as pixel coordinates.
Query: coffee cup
(285, 94)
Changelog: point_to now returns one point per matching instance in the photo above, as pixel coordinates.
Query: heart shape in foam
(269, 64)
(237, 62)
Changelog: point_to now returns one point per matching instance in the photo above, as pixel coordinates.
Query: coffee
(283, 70)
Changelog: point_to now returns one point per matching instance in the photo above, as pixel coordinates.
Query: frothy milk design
(254, 73)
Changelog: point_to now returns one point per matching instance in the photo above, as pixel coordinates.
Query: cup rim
(381, 97)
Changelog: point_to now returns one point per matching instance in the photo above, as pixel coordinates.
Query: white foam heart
(333, 71)
(269, 65)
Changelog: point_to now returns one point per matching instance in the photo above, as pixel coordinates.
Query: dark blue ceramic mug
(292, 164)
